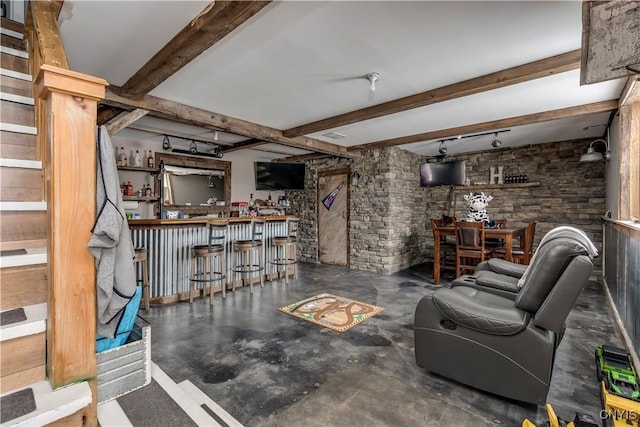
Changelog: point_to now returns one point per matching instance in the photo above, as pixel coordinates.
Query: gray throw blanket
(111, 243)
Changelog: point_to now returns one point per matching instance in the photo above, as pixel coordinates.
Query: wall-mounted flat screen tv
(446, 173)
(279, 176)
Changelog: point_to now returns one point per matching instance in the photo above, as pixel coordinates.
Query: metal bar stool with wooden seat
(142, 278)
(208, 262)
(285, 250)
(248, 258)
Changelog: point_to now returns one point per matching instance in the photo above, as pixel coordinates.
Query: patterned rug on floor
(332, 311)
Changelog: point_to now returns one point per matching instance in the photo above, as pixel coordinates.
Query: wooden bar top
(199, 220)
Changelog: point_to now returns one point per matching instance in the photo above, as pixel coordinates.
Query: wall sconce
(355, 178)
(592, 155)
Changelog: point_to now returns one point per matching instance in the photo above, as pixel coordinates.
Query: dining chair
(470, 249)
(520, 254)
(493, 243)
(447, 247)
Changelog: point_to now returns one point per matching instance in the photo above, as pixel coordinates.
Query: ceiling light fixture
(373, 78)
(443, 148)
(496, 142)
(592, 155)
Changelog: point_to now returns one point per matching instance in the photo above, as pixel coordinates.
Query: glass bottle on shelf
(151, 162)
(137, 160)
(251, 200)
(125, 158)
(122, 157)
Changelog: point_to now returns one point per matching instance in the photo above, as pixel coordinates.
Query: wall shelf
(138, 169)
(140, 199)
(490, 186)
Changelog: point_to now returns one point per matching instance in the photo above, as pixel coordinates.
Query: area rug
(332, 311)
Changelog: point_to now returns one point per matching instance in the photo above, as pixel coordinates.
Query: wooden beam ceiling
(182, 113)
(215, 22)
(244, 145)
(562, 113)
(106, 114)
(121, 122)
(522, 73)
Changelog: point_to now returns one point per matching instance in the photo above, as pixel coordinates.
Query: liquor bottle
(148, 191)
(121, 157)
(129, 188)
(251, 200)
(125, 158)
(137, 160)
(151, 162)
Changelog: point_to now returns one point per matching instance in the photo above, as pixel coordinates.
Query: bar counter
(168, 243)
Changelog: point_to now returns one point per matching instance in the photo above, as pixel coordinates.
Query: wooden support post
(69, 128)
(629, 201)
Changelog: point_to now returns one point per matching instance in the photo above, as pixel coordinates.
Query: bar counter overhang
(168, 243)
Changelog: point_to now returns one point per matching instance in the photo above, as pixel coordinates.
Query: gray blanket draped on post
(111, 243)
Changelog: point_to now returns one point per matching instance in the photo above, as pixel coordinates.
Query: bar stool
(248, 254)
(285, 250)
(140, 263)
(208, 261)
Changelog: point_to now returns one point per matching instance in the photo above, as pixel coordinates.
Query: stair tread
(23, 206)
(35, 322)
(19, 163)
(51, 405)
(33, 256)
(15, 52)
(12, 97)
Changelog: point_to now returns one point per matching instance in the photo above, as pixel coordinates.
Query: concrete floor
(267, 368)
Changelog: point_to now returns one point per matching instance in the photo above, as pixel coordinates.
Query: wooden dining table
(506, 234)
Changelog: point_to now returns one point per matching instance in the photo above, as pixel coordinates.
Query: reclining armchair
(503, 278)
(505, 345)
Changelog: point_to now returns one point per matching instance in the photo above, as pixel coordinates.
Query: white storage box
(124, 369)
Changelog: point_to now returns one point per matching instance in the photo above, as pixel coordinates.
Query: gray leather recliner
(504, 345)
(501, 277)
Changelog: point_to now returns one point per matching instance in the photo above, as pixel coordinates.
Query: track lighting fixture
(496, 142)
(443, 148)
(373, 78)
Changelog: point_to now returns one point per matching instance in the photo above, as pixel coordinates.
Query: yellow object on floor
(553, 420)
(621, 411)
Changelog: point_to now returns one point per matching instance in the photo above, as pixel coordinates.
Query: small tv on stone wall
(279, 176)
(444, 173)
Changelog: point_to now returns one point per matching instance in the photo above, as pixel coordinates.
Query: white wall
(242, 165)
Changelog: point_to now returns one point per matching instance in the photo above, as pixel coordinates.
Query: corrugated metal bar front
(169, 254)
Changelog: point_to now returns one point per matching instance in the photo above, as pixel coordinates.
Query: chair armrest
(502, 266)
(500, 282)
(480, 311)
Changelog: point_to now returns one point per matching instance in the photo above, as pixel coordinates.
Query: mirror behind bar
(191, 183)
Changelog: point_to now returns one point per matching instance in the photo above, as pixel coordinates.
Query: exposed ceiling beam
(545, 116)
(182, 113)
(106, 114)
(245, 145)
(215, 22)
(522, 73)
(302, 157)
(125, 120)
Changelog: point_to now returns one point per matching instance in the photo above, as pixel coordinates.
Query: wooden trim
(334, 171)
(527, 119)
(120, 123)
(46, 29)
(12, 25)
(631, 92)
(302, 158)
(182, 113)
(533, 70)
(624, 227)
(214, 23)
(497, 186)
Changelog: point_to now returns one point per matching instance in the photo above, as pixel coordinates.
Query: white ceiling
(300, 61)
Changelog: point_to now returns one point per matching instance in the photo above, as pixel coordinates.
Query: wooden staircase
(24, 288)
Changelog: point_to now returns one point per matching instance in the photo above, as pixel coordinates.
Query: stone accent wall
(389, 212)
